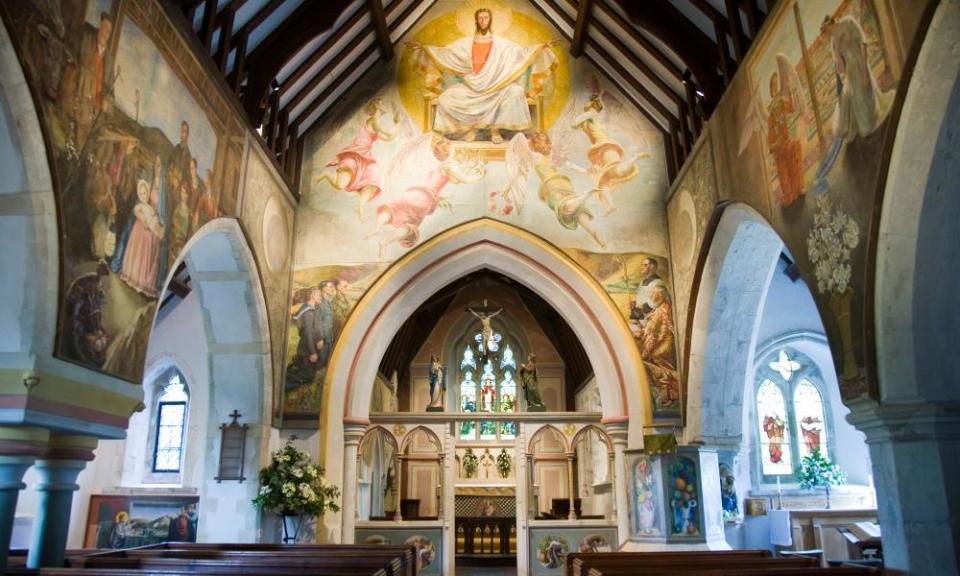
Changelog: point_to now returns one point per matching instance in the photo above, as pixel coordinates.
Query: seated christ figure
(491, 94)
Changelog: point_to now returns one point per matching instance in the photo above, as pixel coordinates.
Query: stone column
(65, 458)
(571, 486)
(19, 448)
(612, 479)
(618, 434)
(398, 515)
(352, 434)
(914, 449)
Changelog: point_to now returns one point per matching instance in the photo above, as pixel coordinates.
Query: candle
(779, 495)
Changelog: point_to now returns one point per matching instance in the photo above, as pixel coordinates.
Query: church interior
(532, 287)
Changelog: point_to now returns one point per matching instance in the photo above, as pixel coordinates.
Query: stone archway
(916, 425)
(224, 275)
(733, 285)
(475, 245)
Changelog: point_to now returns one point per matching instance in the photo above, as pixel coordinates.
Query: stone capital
(907, 422)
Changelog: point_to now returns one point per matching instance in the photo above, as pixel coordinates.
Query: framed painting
(125, 521)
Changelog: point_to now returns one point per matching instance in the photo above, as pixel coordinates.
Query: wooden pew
(577, 564)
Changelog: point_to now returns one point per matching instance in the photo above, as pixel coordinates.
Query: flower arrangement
(832, 237)
(470, 463)
(504, 463)
(817, 470)
(292, 485)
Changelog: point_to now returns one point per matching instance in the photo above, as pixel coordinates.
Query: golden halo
(501, 16)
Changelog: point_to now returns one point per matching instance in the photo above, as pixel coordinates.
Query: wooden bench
(720, 563)
(178, 558)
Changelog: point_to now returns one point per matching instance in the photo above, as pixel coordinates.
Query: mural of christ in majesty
(492, 70)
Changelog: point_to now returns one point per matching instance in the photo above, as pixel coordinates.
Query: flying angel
(417, 176)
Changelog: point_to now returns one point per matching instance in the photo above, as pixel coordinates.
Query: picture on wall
(129, 521)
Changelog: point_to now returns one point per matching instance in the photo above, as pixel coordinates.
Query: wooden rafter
(580, 28)
(380, 26)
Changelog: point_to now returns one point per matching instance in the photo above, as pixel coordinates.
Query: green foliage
(504, 463)
(817, 471)
(470, 463)
(291, 484)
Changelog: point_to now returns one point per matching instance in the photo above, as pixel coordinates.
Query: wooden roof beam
(380, 26)
(580, 28)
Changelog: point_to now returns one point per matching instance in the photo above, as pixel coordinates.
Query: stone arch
(475, 245)
(408, 437)
(733, 282)
(916, 306)
(226, 281)
(28, 220)
(536, 435)
(603, 435)
(390, 436)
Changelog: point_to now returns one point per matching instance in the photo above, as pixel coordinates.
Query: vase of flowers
(295, 488)
(817, 470)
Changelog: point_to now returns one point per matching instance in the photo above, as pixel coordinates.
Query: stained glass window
(774, 430)
(469, 359)
(791, 412)
(808, 411)
(171, 420)
(488, 385)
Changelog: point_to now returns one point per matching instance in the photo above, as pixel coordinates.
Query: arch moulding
(476, 245)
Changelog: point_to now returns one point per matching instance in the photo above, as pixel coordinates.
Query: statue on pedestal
(530, 377)
(438, 384)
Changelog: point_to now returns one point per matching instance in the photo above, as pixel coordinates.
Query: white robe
(494, 97)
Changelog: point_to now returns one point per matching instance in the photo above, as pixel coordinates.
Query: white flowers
(292, 484)
(297, 472)
(832, 237)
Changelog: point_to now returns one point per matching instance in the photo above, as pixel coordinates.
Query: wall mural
(267, 214)
(800, 137)
(138, 159)
(485, 116)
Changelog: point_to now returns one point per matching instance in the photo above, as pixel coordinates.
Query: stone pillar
(618, 434)
(19, 448)
(352, 434)
(571, 486)
(914, 449)
(612, 479)
(398, 515)
(532, 496)
(65, 458)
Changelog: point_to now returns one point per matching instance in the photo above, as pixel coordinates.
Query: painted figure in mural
(104, 206)
(657, 348)
(178, 164)
(810, 427)
(491, 94)
(180, 221)
(556, 189)
(607, 165)
(206, 204)
(141, 259)
(341, 305)
(643, 304)
(95, 76)
(406, 211)
(438, 382)
(774, 427)
(858, 111)
(85, 305)
(643, 492)
(354, 169)
(785, 129)
(306, 362)
(488, 341)
(530, 376)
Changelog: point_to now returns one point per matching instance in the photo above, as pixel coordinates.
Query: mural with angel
(417, 147)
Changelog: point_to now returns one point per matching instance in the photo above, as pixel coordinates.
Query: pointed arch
(567, 446)
(388, 434)
(603, 436)
(408, 437)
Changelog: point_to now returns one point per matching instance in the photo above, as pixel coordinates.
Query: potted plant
(504, 463)
(470, 463)
(816, 470)
(295, 488)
